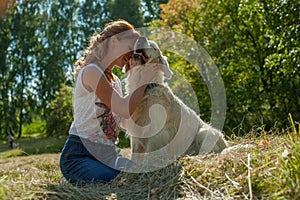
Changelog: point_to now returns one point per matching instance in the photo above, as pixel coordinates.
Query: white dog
(162, 120)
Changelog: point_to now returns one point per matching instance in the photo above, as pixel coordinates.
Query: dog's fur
(162, 119)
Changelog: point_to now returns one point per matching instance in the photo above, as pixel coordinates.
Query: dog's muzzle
(139, 58)
(140, 45)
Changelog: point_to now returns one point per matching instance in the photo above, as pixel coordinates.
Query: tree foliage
(129, 10)
(137, 12)
(40, 41)
(254, 44)
(151, 9)
(38, 50)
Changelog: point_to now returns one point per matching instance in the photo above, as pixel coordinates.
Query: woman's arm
(95, 81)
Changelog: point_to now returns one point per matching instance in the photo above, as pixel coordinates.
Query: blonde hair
(99, 41)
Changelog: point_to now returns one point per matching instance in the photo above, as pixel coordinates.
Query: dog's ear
(154, 45)
(166, 68)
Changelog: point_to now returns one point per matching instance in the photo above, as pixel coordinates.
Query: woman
(90, 154)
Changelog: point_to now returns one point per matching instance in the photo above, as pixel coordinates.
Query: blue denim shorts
(83, 161)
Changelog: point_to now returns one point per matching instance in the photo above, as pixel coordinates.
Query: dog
(162, 120)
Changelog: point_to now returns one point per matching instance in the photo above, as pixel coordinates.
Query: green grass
(33, 145)
(38, 144)
(268, 169)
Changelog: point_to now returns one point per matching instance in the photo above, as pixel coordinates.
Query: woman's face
(123, 51)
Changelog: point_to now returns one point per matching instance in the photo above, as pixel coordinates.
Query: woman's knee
(88, 170)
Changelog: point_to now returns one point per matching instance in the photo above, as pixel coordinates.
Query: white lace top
(93, 120)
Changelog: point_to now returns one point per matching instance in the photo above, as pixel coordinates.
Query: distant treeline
(254, 44)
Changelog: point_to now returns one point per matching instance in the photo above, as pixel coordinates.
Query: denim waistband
(84, 141)
(75, 138)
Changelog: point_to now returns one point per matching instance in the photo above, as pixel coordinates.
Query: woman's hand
(95, 81)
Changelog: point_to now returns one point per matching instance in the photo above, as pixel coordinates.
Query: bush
(36, 128)
(60, 112)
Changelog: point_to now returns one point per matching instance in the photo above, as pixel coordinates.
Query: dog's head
(147, 51)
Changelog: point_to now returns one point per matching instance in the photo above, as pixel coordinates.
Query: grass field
(33, 145)
(264, 166)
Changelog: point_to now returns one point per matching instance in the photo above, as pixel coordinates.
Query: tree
(91, 17)
(56, 51)
(256, 52)
(37, 52)
(16, 71)
(152, 9)
(129, 10)
(4, 78)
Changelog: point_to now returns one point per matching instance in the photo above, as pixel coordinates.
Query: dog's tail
(210, 140)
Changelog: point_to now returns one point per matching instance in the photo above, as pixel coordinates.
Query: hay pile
(198, 177)
(263, 167)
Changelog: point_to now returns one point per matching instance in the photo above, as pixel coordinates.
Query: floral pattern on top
(108, 123)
